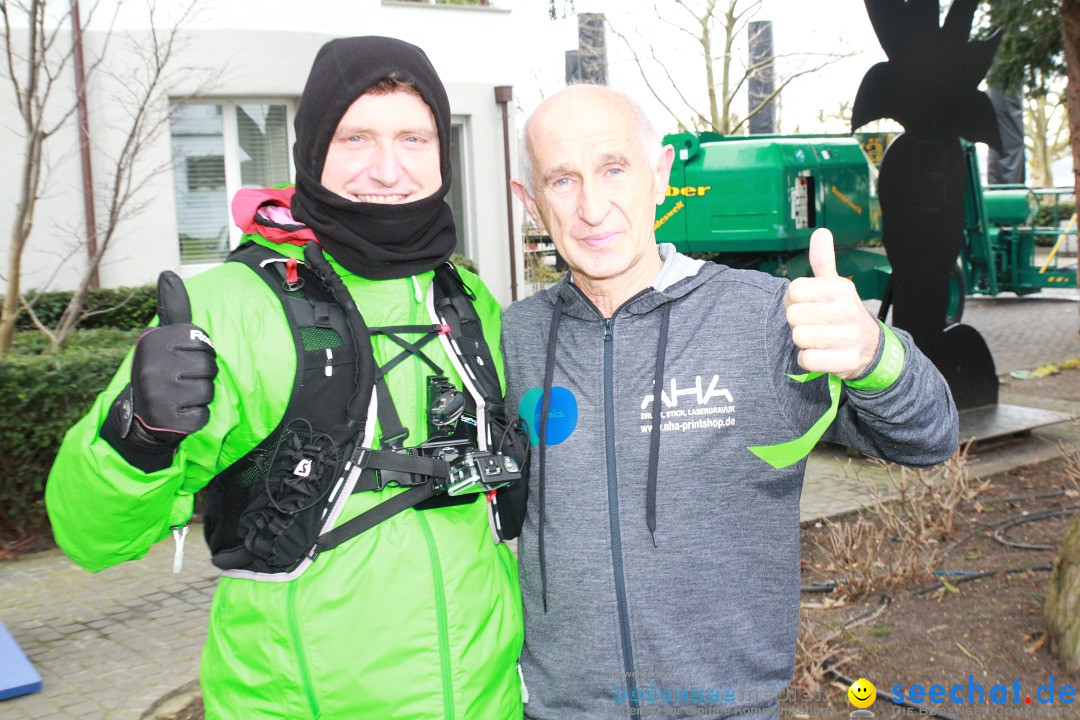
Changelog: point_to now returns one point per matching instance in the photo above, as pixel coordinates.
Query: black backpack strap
(370, 518)
(410, 348)
(325, 370)
(453, 304)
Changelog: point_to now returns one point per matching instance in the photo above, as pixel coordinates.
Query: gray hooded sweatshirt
(660, 570)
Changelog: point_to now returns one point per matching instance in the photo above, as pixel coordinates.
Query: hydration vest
(270, 513)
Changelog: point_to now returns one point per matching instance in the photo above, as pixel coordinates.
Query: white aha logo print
(702, 395)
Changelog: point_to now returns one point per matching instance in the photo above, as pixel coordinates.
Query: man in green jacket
(418, 616)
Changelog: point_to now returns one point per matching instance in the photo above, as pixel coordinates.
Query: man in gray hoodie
(659, 560)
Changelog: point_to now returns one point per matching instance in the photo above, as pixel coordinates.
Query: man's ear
(663, 173)
(526, 200)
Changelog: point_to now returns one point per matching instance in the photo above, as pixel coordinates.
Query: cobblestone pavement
(108, 645)
(1024, 332)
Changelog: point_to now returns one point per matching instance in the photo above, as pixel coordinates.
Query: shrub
(1044, 216)
(899, 537)
(44, 396)
(464, 262)
(124, 308)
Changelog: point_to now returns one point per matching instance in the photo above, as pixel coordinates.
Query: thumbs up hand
(829, 324)
(172, 374)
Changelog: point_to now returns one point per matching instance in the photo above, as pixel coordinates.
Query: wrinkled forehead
(583, 128)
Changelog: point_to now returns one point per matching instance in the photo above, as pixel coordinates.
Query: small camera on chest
(452, 437)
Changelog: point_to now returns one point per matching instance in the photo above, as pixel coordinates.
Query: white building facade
(230, 99)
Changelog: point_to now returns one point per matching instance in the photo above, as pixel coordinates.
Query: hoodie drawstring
(654, 435)
(545, 407)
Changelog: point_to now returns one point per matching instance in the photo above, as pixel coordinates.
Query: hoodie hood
(266, 212)
(679, 276)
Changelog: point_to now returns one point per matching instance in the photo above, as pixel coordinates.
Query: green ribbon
(792, 451)
(883, 375)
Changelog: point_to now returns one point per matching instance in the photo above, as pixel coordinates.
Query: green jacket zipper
(301, 656)
(419, 368)
(440, 609)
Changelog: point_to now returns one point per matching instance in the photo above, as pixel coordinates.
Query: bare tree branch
(674, 84)
(38, 74)
(35, 320)
(675, 25)
(645, 77)
(776, 92)
(714, 25)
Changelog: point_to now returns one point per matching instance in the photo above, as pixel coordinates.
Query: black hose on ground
(964, 576)
(1021, 519)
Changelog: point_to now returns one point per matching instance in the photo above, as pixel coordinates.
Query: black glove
(172, 384)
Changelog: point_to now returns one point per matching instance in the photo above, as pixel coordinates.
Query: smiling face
(862, 693)
(595, 189)
(385, 150)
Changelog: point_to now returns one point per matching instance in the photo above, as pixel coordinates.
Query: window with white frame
(459, 188)
(219, 148)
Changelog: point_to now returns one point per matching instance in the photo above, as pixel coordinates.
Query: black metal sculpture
(930, 86)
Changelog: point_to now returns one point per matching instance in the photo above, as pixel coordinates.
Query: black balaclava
(372, 240)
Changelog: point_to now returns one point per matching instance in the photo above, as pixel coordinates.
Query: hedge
(1044, 216)
(44, 395)
(124, 308)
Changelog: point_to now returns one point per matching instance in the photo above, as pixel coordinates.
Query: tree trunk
(1038, 130)
(20, 233)
(729, 40)
(710, 79)
(1061, 614)
(1070, 24)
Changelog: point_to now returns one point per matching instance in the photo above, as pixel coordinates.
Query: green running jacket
(417, 618)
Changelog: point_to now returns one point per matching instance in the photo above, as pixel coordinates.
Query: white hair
(646, 136)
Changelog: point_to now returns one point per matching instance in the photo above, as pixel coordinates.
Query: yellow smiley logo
(862, 693)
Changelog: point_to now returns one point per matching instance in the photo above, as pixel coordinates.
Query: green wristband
(888, 367)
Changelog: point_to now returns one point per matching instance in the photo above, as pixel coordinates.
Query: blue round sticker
(561, 419)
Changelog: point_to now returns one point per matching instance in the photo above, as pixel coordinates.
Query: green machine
(999, 253)
(758, 199)
(755, 201)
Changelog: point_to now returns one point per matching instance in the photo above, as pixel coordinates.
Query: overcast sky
(799, 27)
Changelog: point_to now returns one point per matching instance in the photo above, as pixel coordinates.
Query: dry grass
(1072, 466)
(893, 542)
(817, 652)
(899, 537)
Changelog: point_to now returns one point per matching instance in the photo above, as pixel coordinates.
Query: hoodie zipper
(613, 493)
(613, 515)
